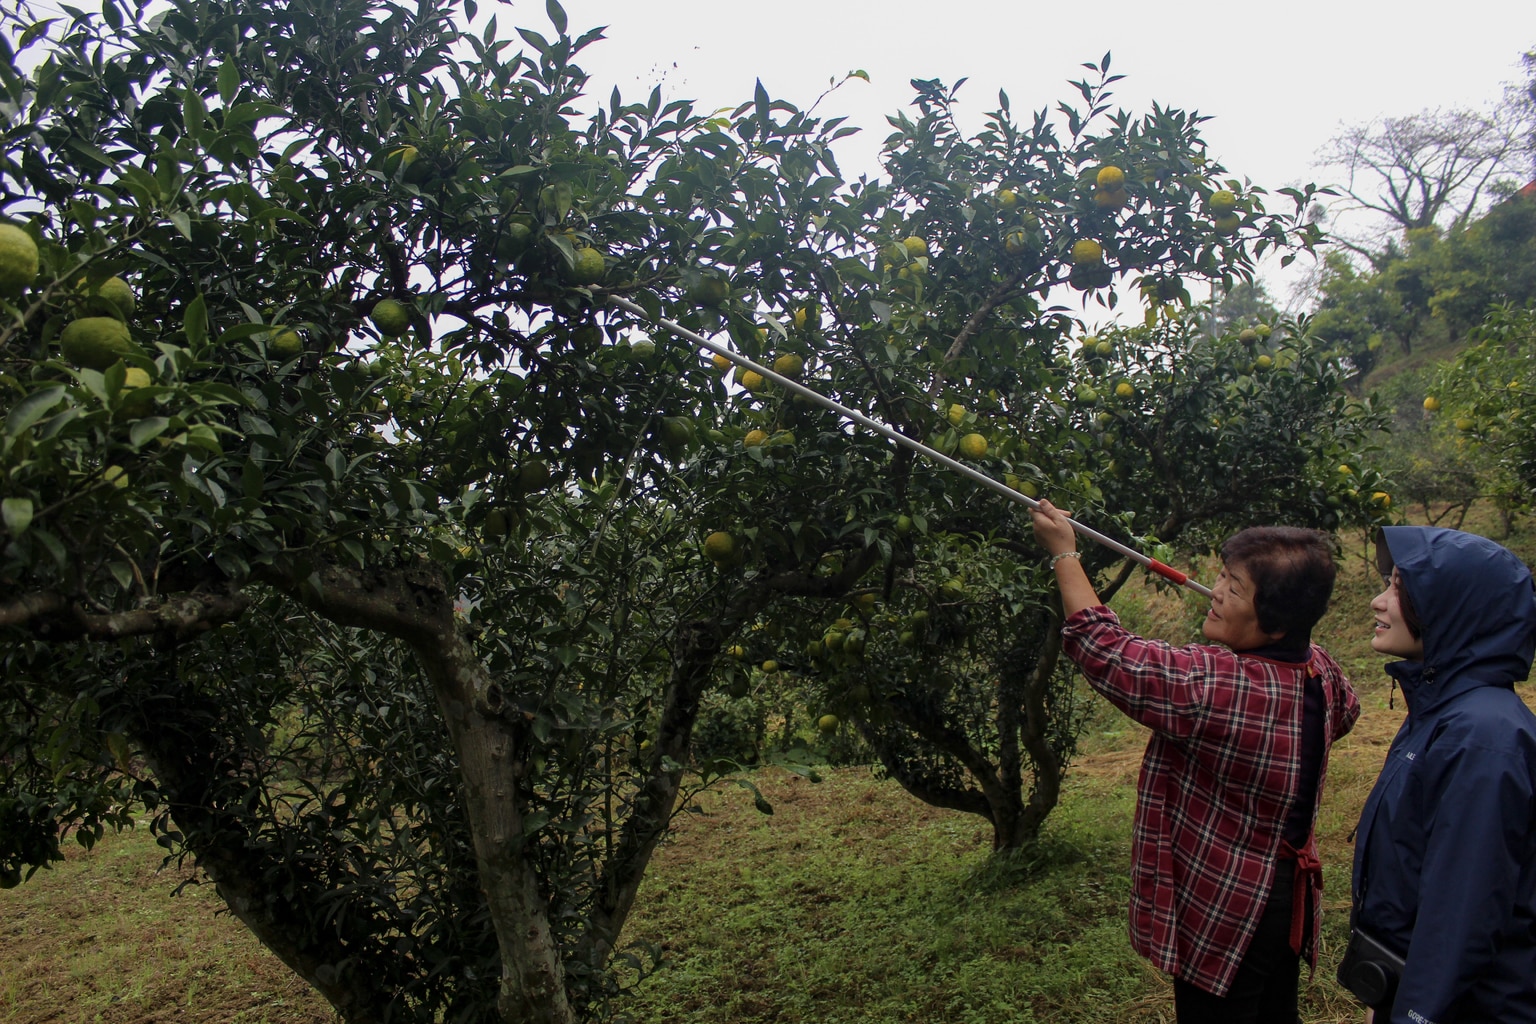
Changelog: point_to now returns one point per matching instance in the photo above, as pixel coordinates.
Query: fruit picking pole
(1152, 564)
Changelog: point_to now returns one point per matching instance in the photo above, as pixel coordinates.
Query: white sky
(1278, 79)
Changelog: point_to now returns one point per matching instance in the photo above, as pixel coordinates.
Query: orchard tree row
(351, 532)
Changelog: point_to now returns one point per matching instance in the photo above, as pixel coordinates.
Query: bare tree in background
(1434, 168)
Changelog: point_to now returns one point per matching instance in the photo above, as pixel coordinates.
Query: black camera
(1370, 970)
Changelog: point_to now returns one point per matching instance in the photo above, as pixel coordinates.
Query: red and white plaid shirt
(1219, 775)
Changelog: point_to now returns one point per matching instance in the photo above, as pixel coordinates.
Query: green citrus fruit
(95, 341)
(533, 475)
(641, 351)
(587, 267)
(828, 723)
(1248, 336)
(915, 246)
(1264, 362)
(18, 259)
(1466, 425)
(114, 290)
(1125, 390)
(903, 526)
(973, 446)
(286, 344)
(496, 525)
(117, 476)
(708, 291)
(391, 317)
(770, 666)
(956, 414)
(676, 431)
(1104, 348)
(514, 239)
(1228, 223)
(1007, 198)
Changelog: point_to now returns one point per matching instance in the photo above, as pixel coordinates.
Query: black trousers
(1264, 991)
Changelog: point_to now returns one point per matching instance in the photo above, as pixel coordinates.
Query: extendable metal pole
(1161, 568)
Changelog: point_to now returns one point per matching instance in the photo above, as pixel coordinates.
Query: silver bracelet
(1065, 554)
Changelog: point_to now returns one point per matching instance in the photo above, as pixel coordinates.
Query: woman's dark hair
(1292, 571)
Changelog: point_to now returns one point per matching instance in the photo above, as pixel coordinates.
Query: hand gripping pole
(997, 486)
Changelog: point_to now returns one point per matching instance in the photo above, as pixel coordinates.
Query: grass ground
(851, 904)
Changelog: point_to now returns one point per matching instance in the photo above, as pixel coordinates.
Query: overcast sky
(1278, 79)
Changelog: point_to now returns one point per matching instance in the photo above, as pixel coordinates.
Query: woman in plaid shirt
(1225, 882)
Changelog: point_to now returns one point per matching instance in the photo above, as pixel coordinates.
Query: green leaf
(229, 82)
(195, 322)
(33, 408)
(17, 513)
(556, 15)
(145, 430)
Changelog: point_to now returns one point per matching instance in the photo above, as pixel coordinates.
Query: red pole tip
(1167, 571)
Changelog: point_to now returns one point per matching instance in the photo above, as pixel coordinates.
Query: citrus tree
(1486, 401)
(354, 533)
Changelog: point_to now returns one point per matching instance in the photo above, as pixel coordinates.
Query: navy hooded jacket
(1445, 857)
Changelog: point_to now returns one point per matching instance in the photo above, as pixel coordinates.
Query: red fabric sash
(1308, 880)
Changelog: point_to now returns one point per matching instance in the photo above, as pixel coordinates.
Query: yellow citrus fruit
(1228, 223)
(915, 246)
(802, 316)
(956, 414)
(1125, 390)
(95, 341)
(973, 446)
(18, 259)
(1104, 348)
(720, 362)
(1007, 198)
(738, 652)
(286, 344)
(828, 723)
(1431, 404)
(1345, 469)
(136, 405)
(391, 317)
(755, 438)
(770, 666)
(587, 266)
(1016, 241)
(1264, 362)
(1466, 425)
(789, 365)
(1087, 252)
(1110, 178)
(1382, 498)
(719, 546)
(753, 381)
(1111, 199)
(1222, 201)
(1248, 336)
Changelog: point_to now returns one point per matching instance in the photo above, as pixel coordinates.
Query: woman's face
(1392, 634)
(1233, 620)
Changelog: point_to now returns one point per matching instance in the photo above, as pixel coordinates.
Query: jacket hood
(1476, 608)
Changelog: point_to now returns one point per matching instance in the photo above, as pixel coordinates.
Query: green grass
(853, 902)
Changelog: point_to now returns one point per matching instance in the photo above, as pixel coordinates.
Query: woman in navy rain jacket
(1445, 857)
